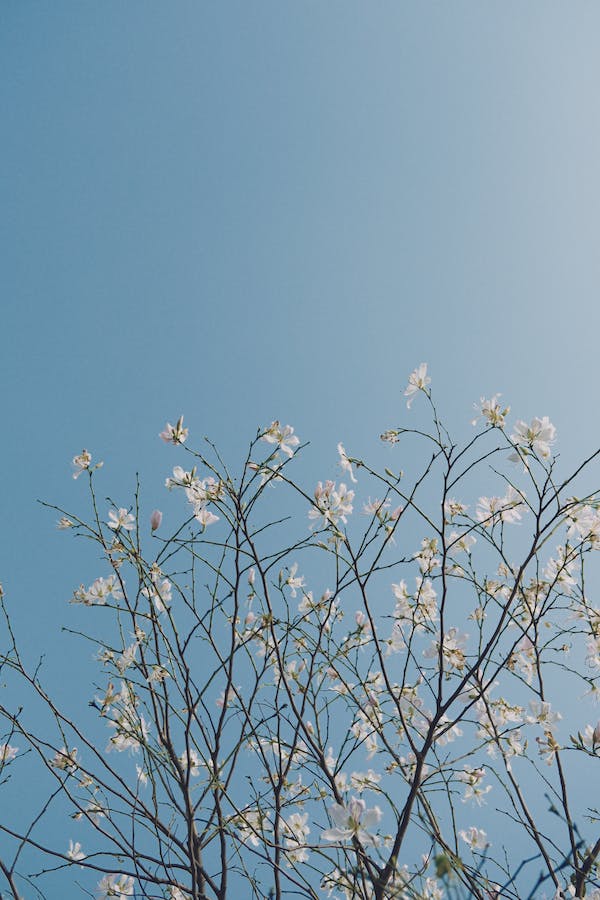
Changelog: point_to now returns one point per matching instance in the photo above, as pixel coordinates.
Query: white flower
(121, 519)
(174, 434)
(131, 729)
(452, 649)
(200, 493)
(204, 490)
(98, 592)
(7, 753)
(353, 821)
(74, 851)
(426, 556)
(81, 462)
(227, 697)
(524, 658)
(536, 437)
(65, 760)
(454, 508)
(461, 541)
(547, 747)
(331, 504)
(251, 825)
(585, 523)
(558, 570)
(181, 478)
(364, 781)
(118, 886)
(191, 761)
(593, 894)
(293, 581)
(475, 838)
(205, 516)
(491, 411)
(267, 473)
(491, 510)
(127, 657)
(158, 674)
(283, 437)
(426, 601)
(376, 507)
(589, 738)
(160, 593)
(541, 714)
(592, 658)
(64, 523)
(417, 381)
(345, 463)
(296, 831)
(432, 890)
(446, 733)
(176, 893)
(473, 778)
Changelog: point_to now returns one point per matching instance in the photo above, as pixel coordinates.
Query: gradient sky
(247, 211)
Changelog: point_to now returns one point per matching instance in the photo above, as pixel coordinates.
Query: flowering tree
(301, 702)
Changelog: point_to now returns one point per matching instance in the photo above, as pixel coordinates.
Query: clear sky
(247, 211)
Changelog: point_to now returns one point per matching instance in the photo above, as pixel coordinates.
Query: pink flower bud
(155, 519)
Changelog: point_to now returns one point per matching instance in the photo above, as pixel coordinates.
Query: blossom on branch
(115, 886)
(491, 411)
(98, 592)
(174, 434)
(81, 463)
(417, 381)
(345, 463)
(74, 852)
(353, 821)
(251, 826)
(7, 753)
(284, 437)
(491, 510)
(121, 519)
(536, 438)
(475, 838)
(65, 760)
(159, 593)
(473, 779)
(332, 504)
(296, 830)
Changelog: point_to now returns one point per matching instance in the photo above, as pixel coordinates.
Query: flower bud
(596, 735)
(155, 519)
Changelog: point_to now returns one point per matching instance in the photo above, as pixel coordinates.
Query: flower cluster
(99, 592)
(200, 492)
(332, 504)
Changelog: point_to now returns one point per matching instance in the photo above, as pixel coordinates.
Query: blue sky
(243, 212)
